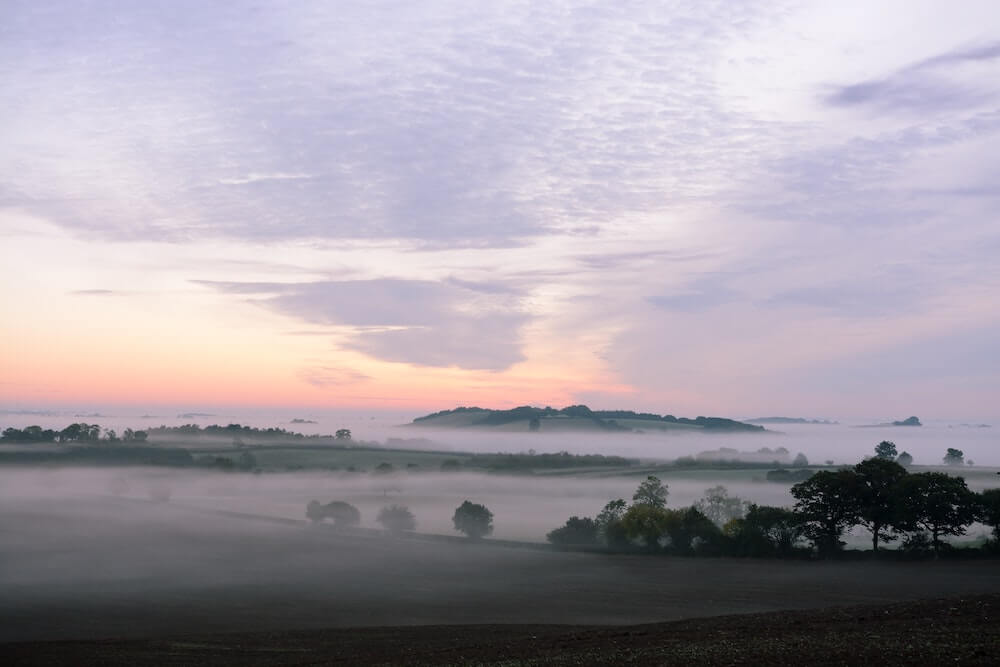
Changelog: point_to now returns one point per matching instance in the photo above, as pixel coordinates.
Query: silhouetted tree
(765, 531)
(29, 434)
(396, 518)
(954, 457)
(690, 531)
(886, 450)
(534, 424)
(904, 459)
(877, 496)
(343, 434)
(800, 460)
(575, 531)
(473, 519)
(989, 512)
(827, 506)
(651, 492)
(938, 503)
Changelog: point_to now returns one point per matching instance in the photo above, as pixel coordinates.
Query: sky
(727, 208)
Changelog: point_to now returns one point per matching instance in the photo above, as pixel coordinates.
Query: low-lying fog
(524, 508)
(842, 443)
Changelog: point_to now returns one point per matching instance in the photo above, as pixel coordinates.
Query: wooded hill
(575, 418)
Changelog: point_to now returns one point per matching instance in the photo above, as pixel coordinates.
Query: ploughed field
(960, 631)
(93, 568)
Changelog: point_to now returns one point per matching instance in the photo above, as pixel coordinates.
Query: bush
(396, 518)
(473, 519)
(576, 531)
(343, 514)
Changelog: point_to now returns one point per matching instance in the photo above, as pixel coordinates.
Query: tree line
(79, 432)
(878, 494)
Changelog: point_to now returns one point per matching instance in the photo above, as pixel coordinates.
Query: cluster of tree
(473, 519)
(877, 494)
(230, 430)
(881, 496)
(79, 433)
(647, 524)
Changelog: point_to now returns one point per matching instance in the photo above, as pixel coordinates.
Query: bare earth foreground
(156, 584)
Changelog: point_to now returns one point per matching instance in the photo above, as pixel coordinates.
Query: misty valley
(187, 529)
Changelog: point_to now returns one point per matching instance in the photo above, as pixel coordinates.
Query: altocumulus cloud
(420, 322)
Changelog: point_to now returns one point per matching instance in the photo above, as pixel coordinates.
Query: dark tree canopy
(904, 459)
(938, 503)
(396, 518)
(473, 519)
(886, 450)
(765, 531)
(575, 531)
(827, 505)
(877, 495)
(343, 514)
(989, 511)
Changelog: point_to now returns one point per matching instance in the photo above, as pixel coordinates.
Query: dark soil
(961, 631)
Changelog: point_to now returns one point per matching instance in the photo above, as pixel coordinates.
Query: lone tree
(343, 434)
(473, 519)
(885, 450)
(938, 503)
(396, 518)
(877, 496)
(651, 492)
(827, 505)
(954, 457)
(904, 459)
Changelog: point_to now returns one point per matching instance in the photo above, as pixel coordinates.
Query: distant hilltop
(909, 421)
(576, 418)
(789, 420)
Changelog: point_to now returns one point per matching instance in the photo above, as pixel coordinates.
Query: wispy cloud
(926, 85)
(331, 376)
(413, 321)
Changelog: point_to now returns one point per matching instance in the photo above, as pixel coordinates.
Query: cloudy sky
(737, 208)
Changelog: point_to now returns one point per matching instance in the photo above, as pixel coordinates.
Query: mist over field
(845, 442)
(78, 562)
